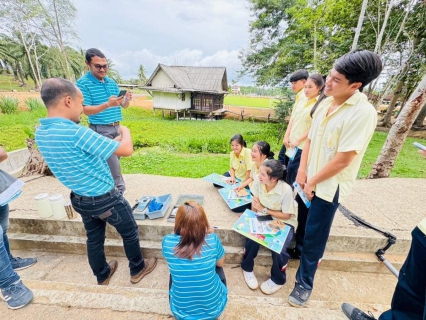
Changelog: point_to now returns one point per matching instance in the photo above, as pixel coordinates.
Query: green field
(8, 84)
(235, 100)
(197, 148)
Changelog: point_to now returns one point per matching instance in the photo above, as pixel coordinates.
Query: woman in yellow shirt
(260, 152)
(240, 159)
(271, 196)
(300, 123)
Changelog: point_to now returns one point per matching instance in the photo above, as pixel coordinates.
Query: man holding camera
(102, 104)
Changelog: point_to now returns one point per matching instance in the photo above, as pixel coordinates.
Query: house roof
(185, 78)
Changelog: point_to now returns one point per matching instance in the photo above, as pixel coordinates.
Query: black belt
(107, 195)
(112, 124)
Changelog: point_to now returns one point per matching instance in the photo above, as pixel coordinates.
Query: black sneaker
(355, 314)
(299, 296)
(22, 263)
(294, 253)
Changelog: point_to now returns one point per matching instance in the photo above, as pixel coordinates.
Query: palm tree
(141, 75)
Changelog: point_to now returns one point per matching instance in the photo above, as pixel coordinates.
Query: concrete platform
(350, 247)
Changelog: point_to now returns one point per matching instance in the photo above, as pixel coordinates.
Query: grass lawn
(198, 148)
(235, 100)
(8, 84)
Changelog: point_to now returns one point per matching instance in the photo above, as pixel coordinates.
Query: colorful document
(232, 199)
(302, 194)
(270, 234)
(221, 180)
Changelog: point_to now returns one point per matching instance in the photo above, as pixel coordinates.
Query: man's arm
(301, 172)
(3, 154)
(125, 148)
(126, 102)
(112, 101)
(334, 167)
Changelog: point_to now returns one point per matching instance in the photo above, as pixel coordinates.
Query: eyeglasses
(99, 67)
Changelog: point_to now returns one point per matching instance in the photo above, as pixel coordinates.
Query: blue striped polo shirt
(76, 155)
(196, 292)
(96, 92)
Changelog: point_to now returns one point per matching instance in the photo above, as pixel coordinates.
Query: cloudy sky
(172, 32)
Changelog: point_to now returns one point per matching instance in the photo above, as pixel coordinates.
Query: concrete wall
(16, 161)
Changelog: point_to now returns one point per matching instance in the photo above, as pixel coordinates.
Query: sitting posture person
(240, 160)
(271, 195)
(260, 152)
(17, 263)
(195, 258)
(78, 157)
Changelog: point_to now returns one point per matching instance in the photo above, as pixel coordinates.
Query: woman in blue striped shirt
(195, 258)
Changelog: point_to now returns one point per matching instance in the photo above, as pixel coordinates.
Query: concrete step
(154, 230)
(64, 287)
(339, 261)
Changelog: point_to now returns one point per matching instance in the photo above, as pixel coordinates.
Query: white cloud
(148, 32)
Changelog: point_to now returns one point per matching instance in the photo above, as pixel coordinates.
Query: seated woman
(260, 152)
(195, 258)
(271, 196)
(240, 160)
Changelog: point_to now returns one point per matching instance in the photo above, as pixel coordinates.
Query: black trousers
(409, 298)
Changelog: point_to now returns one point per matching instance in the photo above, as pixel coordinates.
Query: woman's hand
(238, 188)
(232, 180)
(257, 205)
(294, 144)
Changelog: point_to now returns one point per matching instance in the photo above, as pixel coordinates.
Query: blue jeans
(279, 261)
(317, 230)
(96, 212)
(4, 223)
(7, 275)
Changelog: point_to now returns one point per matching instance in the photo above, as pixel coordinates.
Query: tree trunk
(388, 115)
(420, 118)
(36, 163)
(382, 30)
(360, 22)
(398, 133)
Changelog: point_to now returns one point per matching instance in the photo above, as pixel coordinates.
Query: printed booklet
(232, 199)
(221, 180)
(270, 234)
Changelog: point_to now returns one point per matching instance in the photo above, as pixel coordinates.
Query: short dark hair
(54, 89)
(274, 169)
(359, 66)
(92, 52)
(300, 74)
(239, 138)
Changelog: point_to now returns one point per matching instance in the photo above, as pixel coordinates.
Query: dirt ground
(140, 100)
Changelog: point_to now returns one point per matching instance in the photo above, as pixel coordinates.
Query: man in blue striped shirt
(78, 157)
(102, 106)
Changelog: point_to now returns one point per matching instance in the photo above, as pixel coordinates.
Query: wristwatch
(265, 211)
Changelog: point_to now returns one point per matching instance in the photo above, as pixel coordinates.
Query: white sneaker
(251, 280)
(270, 287)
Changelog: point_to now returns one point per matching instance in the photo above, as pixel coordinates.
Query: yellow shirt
(348, 128)
(300, 97)
(253, 173)
(279, 199)
(242, 163)
(301, 120)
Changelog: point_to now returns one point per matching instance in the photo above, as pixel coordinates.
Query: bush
(34, 104)
(8, 105)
